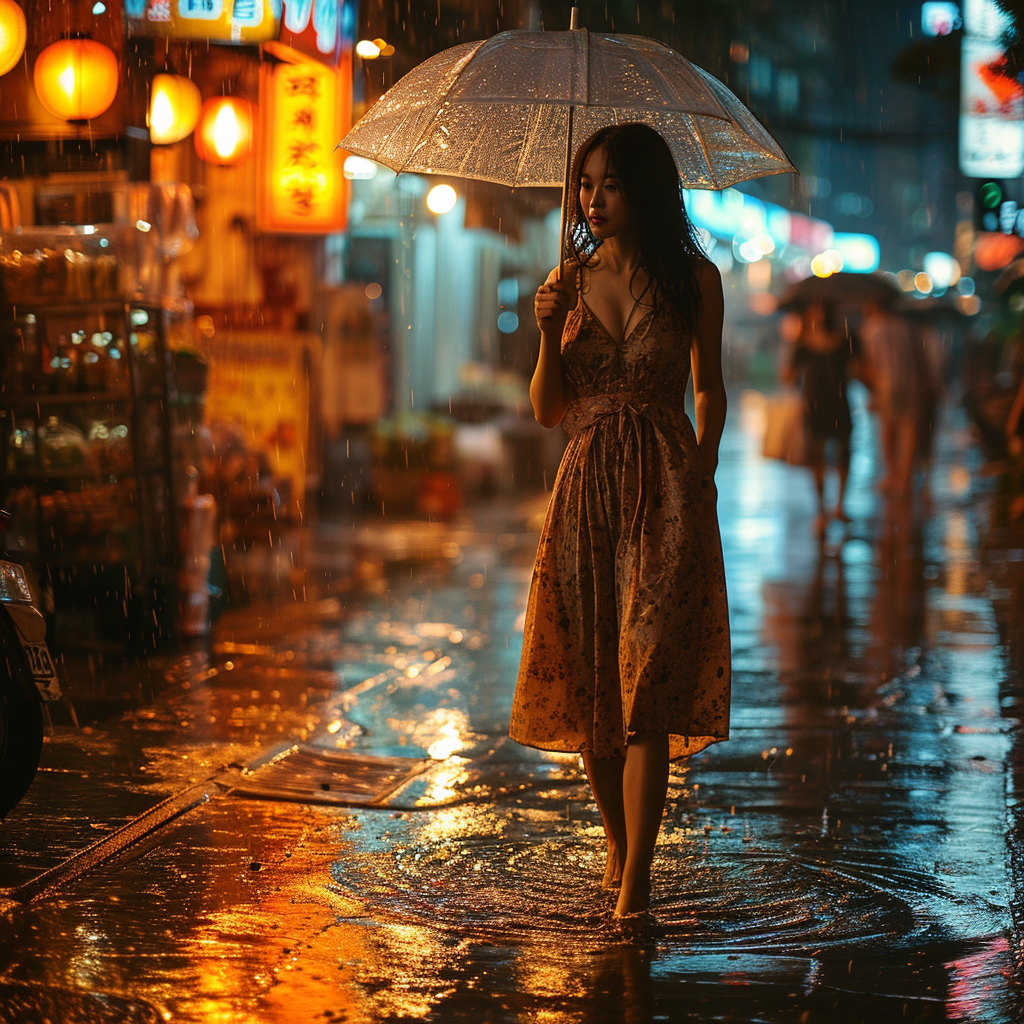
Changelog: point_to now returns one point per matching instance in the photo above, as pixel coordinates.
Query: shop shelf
(42, 308)
(43, 475)
(92, 556)
(29, 400)
(147, 554)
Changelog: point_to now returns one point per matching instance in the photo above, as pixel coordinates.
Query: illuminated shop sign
(939, 18)
(991, 104)
(730, 215)
(758, 229)
(226, 21)
(860, 253)
(322, 29)
(305, 108)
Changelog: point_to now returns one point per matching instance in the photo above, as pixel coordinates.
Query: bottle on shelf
(64, 367)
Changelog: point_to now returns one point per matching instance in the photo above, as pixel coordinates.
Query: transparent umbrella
(513, 108)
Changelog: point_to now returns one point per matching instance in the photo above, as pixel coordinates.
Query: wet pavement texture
(853, 853)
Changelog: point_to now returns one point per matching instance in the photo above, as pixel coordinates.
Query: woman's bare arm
(548, 388)
(706, 364)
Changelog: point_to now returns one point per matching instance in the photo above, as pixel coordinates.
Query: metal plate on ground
(315, 776)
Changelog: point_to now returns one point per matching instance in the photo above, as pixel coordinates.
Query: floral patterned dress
(627, 625)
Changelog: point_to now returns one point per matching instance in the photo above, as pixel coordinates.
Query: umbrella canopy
(934, 310)
(842, 289)
(499, 110)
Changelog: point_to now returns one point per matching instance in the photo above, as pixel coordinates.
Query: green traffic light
(991, 195)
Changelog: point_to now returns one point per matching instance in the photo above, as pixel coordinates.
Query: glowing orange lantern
(993, 251)
(12, 34)
(174, 106)
(224, 132)
(76, 79)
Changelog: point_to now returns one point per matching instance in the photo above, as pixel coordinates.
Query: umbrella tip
(574, 18)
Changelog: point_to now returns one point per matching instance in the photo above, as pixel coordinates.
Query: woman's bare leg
(843, 469)
(644, 785)
(887, 434)
(605, 775)
(906, 450)
(818, 468)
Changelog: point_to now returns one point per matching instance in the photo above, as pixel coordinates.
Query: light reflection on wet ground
(843, 858)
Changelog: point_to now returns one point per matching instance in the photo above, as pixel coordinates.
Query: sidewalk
(851, 854)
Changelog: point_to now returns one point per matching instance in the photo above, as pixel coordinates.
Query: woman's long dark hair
(669, 246)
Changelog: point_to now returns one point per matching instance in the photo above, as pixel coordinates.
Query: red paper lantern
(76, 79)
(224, 132)
(993, 251)
(13, 32)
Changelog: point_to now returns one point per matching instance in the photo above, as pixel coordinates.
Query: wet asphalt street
(853, 853)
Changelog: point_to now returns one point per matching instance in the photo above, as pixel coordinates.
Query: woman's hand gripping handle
(551, 305)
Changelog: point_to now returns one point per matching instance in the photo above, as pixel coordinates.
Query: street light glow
(359, 168)
(367, 49)
(441, 199)
(827, 263)
(942, 268)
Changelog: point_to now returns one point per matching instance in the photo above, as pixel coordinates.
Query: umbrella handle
(574, 24)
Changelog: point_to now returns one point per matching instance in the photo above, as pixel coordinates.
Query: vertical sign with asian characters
(991, 103)
(304, 108)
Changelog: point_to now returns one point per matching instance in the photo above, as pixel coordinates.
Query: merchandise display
(86, 464)
(62, 273)
(92, 457)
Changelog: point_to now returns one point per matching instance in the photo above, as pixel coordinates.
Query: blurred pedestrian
(824, 356)
(626, 654)
(1015, 448)
(902, 393)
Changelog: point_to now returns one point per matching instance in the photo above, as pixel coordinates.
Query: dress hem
(556, 748)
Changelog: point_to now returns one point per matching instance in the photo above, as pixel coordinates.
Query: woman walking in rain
(822, 362)
(626, 653)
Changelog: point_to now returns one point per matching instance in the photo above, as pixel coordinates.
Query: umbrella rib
(534, 116)
(704, 149)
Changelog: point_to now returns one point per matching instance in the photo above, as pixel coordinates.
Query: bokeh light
(441, 199)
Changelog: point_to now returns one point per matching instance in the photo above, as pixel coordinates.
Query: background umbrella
(513, 108)
(842, 289)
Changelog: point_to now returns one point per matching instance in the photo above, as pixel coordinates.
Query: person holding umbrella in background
(903, 393)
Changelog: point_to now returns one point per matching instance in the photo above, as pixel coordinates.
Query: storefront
(170, 184)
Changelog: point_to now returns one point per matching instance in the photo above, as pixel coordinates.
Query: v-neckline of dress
(629, 334)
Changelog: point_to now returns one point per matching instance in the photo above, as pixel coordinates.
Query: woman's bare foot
(612, 868)
(633, 898)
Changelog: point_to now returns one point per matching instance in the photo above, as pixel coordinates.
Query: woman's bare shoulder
(708, 276)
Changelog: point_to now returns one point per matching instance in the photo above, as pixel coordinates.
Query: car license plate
(39, 661)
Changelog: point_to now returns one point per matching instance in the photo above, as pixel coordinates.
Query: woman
(821, 363)
(626, 644)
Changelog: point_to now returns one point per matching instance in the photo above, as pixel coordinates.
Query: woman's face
(601, 196)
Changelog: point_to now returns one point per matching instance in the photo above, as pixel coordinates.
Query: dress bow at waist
(585, 411)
